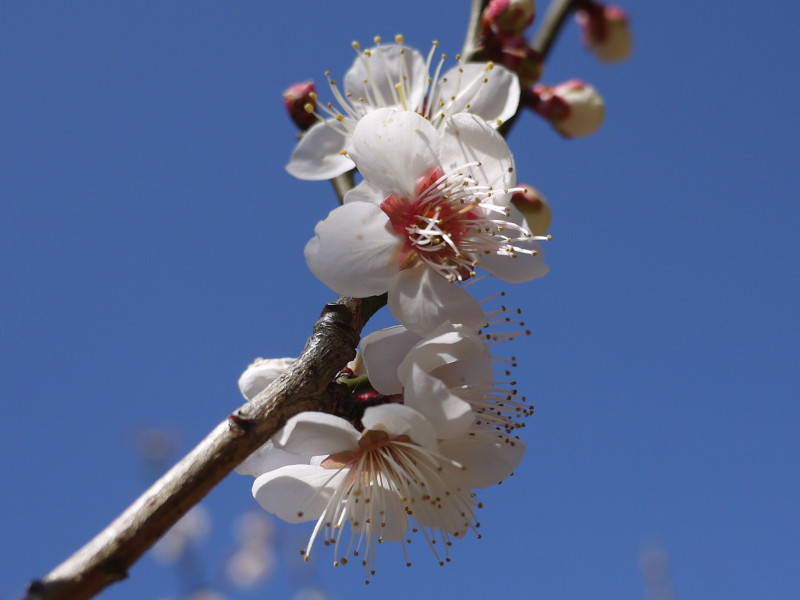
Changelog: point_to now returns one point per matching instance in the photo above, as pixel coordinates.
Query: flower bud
(574, 108)
(260, 373)
(605, 31)
(507, 18)
(297, 99)
(534, 208)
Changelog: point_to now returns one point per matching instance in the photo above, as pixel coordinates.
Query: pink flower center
(435, 225)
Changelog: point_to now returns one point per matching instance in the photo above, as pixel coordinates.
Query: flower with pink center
(397, 76)
(385, 482)
(431, 210)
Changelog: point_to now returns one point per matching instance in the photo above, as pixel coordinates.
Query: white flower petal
(296, 493)
(450, 415)
(422, 300)
(488, 458)
(393, 149)
(317, 155)
(260, 374)
(496, 101)
(522, 268)
(354, 252)
(365, 192)
(375, 73)
(398, 419)
(268, 458)
(314, 433)
(382, 352)
(467, 138)
(447, 345)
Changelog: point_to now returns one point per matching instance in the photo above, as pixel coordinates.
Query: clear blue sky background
(151, 246)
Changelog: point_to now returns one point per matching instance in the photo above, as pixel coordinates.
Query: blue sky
(151, 246)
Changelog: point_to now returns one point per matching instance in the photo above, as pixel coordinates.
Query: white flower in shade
(574, 108)
(605, 31)
(386, 482)
(432, 208)
(450, 378)
(399, 77)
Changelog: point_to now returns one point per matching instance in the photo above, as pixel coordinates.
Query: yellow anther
(377, 39)
(308, 107)
(356, 45)
(399, 38)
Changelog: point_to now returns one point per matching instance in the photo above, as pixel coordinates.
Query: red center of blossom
(433, 226)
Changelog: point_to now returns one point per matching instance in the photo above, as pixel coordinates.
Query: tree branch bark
(306, 385)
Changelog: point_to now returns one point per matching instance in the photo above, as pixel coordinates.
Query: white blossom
(397, 76)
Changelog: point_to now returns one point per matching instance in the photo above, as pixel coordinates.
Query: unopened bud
(574, 108)
(534, 208)
(507, 18)
(526, 62)
(297, 99)
(260, 373)
(605, 31)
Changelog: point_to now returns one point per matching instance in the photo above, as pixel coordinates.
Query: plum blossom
(400, 77)
(449, 377)
(387, 482)
(431, 209)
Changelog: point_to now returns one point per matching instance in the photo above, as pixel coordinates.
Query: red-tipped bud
(574, 108)
(300, 100)
(534, 208)
(507, 18)
(605, 31)
(526, 62)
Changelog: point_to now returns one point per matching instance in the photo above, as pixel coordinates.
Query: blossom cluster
(438, 206)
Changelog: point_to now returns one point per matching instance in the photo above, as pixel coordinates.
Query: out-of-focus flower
(190, 529)
(397, 76)
(573, 108)
(253, 561)
(605, 31)
(534, 209)
(432, 208)
(300, 100)
(507, 18)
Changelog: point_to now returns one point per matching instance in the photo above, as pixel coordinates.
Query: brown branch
(306, 385)
(552, 22)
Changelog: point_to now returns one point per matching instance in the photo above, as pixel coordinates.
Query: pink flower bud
(574, 108)
(300, 100)
(605, 31)
(533, 207)
(507, 18)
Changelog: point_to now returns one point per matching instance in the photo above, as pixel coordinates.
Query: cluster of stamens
(451, 222)
(433, 104)
(385, 474)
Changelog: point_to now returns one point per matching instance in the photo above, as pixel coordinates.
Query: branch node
(239, 424)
